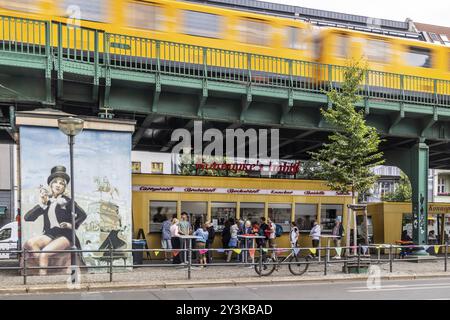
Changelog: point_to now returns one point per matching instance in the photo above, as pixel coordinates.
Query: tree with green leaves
(346, 161)
(402, 192)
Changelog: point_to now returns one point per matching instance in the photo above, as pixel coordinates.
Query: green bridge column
(419, 183)
(414, 162)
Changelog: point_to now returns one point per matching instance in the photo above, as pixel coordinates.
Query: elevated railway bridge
(164, 86)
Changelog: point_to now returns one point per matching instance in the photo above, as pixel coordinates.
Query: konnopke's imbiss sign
(238, 191)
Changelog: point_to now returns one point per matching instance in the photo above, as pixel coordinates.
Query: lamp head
(70, 126)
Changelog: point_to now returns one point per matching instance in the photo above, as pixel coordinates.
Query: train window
(342, 46)
(418, 57)
(21, 5)
(90, 10)
(377, 50)
(202, 24)
(254, 32)
(145, 16)
(296, 38)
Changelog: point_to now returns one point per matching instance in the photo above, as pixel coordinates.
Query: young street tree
(346, 162)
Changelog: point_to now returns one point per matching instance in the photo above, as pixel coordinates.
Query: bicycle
(270, 263)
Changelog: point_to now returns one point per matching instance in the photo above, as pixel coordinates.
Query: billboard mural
(102, 195)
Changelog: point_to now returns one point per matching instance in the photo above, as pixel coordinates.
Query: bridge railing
(79, 44)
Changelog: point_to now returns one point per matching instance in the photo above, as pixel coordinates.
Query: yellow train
(274, 40)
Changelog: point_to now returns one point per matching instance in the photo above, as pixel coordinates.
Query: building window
(281, 214)
(135, 167)
(157, 167)
(145, 16)
(296, 38)
(221, 212)
(159, 212)
(202, 24)
(252, 211)
(31, 6)
(418, 57)
(197, 212)
(328, 215)
(441, 185)
(91, 10)
(377, 51)
(254, 32)
(304, 215)
(435, 37)
(385, 187)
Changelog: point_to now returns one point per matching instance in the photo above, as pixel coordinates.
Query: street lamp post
(71, 126)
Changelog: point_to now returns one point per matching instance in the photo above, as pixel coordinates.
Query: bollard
(260, 260)
(110, 264)
(326, 261)
(24, 266)
(189, 260)
(359, 257)
(390, 258)
(446, 256)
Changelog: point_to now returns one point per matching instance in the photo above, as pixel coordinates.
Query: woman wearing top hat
(55, 208)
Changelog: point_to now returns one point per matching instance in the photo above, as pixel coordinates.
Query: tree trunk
(347, 230)
(366, 227)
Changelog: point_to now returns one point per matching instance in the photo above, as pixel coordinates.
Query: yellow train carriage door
(17, 32)
(381, 80)
(199, 32)
(142, 23)
(80, 27)
(419, 63)
(298, 46)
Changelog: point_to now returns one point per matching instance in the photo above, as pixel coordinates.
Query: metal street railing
(352, 257)
(90, 46)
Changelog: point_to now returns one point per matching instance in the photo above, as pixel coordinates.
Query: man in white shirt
(315, 236)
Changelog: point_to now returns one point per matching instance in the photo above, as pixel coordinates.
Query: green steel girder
(415, 163)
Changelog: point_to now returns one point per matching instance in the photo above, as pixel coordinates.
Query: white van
(9, 238)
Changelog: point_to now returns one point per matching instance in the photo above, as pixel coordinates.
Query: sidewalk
(158, 277)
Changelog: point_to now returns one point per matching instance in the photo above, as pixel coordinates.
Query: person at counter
(176, 243)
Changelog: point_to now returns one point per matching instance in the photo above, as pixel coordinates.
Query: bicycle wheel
(267, 269)
(298, 268)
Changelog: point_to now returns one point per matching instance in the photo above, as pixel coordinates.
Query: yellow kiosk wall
(141, 199)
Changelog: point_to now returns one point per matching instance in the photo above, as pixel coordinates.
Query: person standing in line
(209, 243)
(176, 244)
(315, 236)
(262, 231)
(166, 237)
(294, 234)
(200, 243)
(233, 244)
(271, 230)
(226, 236)
(338, 231)
(185, 230)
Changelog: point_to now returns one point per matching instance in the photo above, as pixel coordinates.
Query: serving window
(197, 212)
(252, 211)
(305, 214)
(328, 215)
(221, 212)
(281, 213)
(159, 212)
